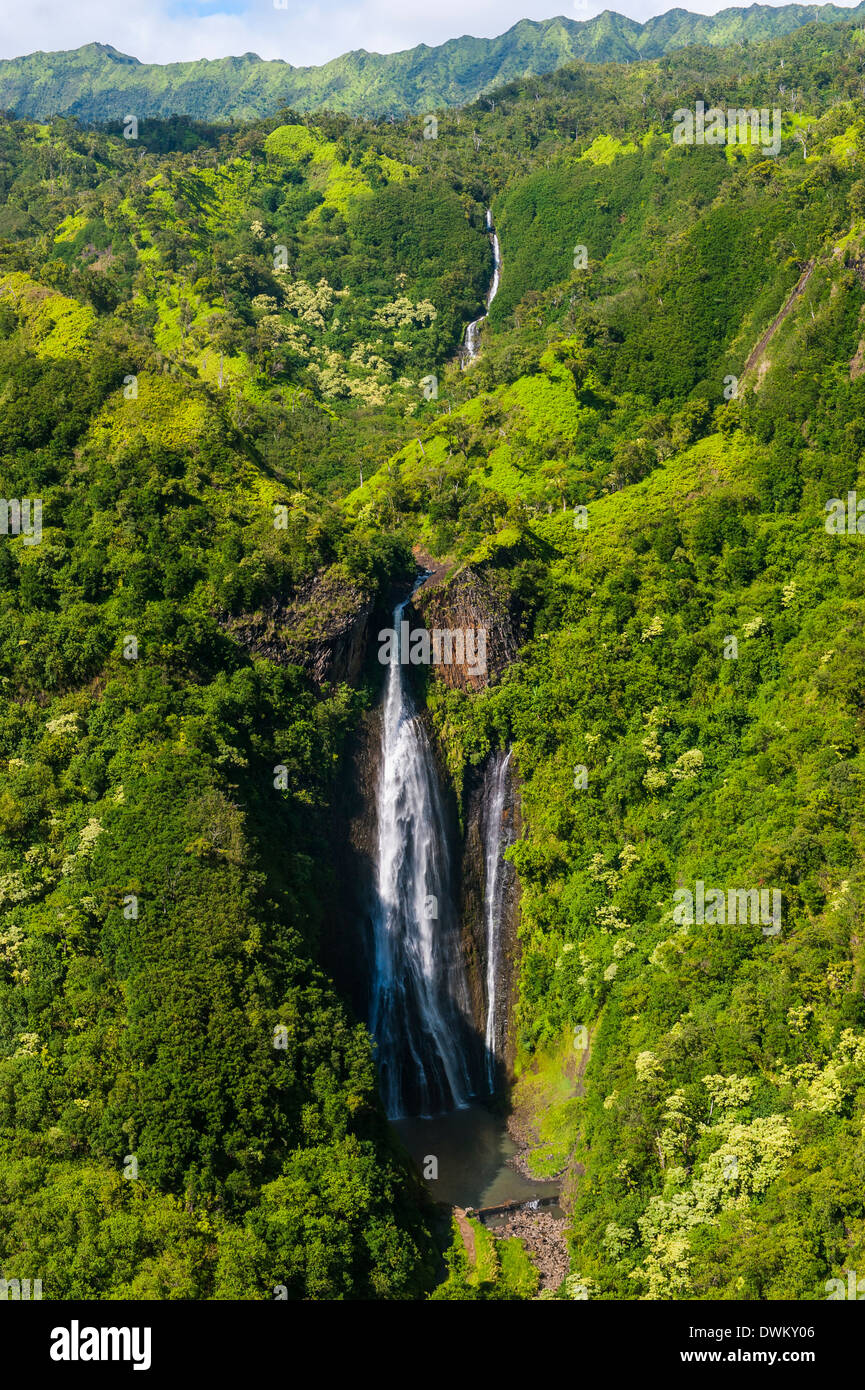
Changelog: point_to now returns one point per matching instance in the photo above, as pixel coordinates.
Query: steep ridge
(94, 82)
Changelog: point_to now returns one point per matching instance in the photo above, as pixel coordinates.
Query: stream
(472, 339)
(434, 1071)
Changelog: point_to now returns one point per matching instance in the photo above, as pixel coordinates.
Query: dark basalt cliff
(348, 944)
(478, 809)
(348, 941)
(327, 627)
(323, 627)
(471, 600)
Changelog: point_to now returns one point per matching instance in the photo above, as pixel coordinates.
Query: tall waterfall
(496, 841)
(471, 345)
(421, 1009)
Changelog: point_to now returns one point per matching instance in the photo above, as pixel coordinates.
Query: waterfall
(420, 1006)
(493, 886)
(471, 345)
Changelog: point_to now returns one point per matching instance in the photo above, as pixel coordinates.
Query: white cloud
(306, 32)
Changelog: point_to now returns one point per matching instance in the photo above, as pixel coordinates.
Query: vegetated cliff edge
(323, 627)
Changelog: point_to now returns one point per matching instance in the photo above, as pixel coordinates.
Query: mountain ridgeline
(236, 425)
(98, 83)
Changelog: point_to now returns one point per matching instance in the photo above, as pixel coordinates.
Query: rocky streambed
(543, 1234)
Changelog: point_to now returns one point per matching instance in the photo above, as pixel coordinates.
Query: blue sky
(306, 31)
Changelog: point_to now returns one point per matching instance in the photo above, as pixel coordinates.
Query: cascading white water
(471, 344)
(420, 1006)
(494, 878)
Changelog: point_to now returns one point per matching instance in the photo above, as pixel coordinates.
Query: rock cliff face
(347, 947)
(478, 810)
(478, 600)
(323, 627)
(348, 953)
(327, 627)
(472, 601)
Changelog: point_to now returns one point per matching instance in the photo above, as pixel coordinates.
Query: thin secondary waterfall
(420, 1006)
(496, 843)
(471, 345)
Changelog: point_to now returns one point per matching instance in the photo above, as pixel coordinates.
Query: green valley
(232, 373)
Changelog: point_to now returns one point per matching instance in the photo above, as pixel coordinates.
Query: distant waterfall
(471, 344)
(420, 1006)
(496, 842)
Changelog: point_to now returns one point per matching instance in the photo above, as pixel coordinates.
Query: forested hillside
(229, 375)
